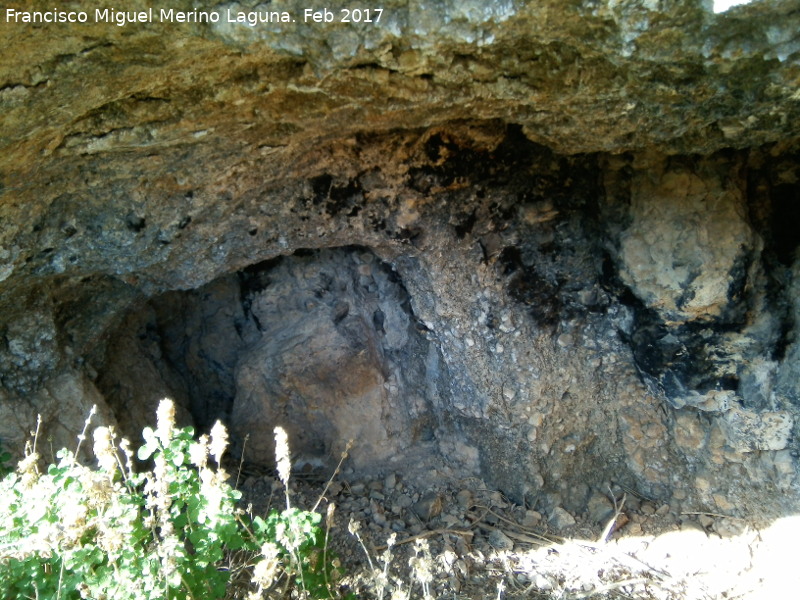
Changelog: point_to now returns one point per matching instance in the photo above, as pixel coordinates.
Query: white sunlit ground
(688, 563)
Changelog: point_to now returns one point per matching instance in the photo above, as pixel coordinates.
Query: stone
(728, 527)
(678, 256)
(398, 525)
(689, 431)
(428, 507)
(449, 520)
(664, 510)
(378, 516)
(600, 508)
(500, 541)
(404, 501)
(561, 519)
(358, 489)
(565, 340)
(464, 499)
(532, 518)
(748, 431)
(307, 350)
(634, 529)
(706, 521)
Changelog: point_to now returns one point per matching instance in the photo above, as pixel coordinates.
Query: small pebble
(500, 541)
(450, 520)
(498, 501)
(428, 507)
(632, 502)
(634, 529)
(600, 508)
(729, 527)
(561, 518)
(464, 499)
(705, 520)
(531, 519)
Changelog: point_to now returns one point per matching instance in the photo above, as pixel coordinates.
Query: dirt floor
(470, 542)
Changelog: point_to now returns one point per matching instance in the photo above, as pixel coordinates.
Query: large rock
(336, 359)
(686, 248)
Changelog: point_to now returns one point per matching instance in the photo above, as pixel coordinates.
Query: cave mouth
(321, 342)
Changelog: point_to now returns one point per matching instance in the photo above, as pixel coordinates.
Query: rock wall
(550, 246)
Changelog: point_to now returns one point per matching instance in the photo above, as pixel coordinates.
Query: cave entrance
(321, 342)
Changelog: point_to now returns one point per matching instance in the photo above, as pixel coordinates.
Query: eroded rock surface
(551, 246)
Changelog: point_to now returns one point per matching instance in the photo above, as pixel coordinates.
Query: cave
(550, 246)
(323, 342)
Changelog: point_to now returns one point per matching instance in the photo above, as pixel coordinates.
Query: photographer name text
(163, 15)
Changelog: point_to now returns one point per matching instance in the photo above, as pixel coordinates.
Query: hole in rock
(785, 216)
(321, 342)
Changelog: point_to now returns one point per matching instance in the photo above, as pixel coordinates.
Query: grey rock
(428, 507)
(398, 525)
(532, 518)
(464, 499)
(668, 244)
(561, 519)
(499, 540)
(600, 508)
(404, 501)
(728, 527)
(706, 521)
(749, 431)
(358, 489)
(665, 509)
(647, 508)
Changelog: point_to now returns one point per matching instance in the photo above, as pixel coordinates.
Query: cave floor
(471, 542)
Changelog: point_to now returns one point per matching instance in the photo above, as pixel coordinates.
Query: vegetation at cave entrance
(171, 532)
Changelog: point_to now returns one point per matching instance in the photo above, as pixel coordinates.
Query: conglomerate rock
(550, 244)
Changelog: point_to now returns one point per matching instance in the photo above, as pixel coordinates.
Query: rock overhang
(136, 163)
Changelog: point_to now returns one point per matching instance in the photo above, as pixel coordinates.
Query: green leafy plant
(4, 458)
(172, 532)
